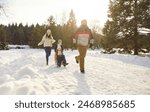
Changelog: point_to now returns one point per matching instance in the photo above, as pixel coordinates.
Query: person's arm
(42, 41)
(55, 47)
(53, 41)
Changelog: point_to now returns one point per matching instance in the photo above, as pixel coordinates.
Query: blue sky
(38, 11)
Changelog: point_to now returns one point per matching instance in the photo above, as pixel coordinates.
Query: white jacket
(47, 42)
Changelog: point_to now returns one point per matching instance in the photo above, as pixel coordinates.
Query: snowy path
(24, 72)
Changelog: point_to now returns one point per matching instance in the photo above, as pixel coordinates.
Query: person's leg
(59, 61)
(48, 53)
(77, 58)
(64, 60)
(82, 52)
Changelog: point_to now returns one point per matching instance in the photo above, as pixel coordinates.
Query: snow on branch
(144, 31)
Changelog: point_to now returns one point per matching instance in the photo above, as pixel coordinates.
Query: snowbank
(18, 46)
(23, 71)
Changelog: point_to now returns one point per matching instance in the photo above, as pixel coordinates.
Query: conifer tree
(125, 18)
(71, 28)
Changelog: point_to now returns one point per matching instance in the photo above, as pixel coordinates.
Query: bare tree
(96, 27)
(2, 8)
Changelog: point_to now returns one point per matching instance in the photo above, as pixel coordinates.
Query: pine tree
(21, 34)
(71, 28)
(36, 35)
(125, 18)
(27, 33)
(52, 25)
(2, 8)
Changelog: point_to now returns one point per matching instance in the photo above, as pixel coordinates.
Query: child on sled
(59, 56)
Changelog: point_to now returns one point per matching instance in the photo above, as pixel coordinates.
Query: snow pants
(61, 60)
(82, 53)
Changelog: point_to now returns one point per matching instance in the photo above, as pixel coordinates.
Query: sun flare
(38, 11)
(90, 10)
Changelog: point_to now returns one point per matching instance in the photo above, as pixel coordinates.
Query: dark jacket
(55, 49)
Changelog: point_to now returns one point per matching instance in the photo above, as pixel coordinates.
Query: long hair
(48, 36)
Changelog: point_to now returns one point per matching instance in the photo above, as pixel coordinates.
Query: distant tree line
(122, 30)
(17, 34)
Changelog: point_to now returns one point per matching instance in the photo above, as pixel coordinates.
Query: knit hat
(48, 31)
(84, 22)
(60, 41)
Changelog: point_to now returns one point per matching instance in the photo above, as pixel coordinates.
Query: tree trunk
(135, 45)
(135, 30)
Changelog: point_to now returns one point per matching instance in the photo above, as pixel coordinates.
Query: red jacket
(83, 36)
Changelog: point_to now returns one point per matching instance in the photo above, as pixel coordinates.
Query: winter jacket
(58, 49)
(47, 42)
(83, 36)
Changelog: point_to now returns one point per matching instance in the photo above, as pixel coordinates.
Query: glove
(39, 44)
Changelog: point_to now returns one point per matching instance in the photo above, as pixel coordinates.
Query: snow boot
(65, 64)
(46, 60)
(76, 59)
(58, 65)
(82, 71)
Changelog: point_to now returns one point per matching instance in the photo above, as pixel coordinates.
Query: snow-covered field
(23, 71)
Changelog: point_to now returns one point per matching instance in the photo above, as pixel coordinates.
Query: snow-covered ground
(23, 71)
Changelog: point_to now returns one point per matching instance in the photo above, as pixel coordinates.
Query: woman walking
(47, 41)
